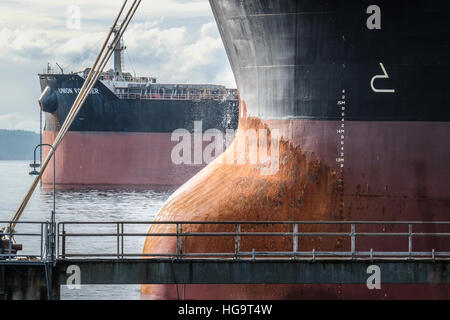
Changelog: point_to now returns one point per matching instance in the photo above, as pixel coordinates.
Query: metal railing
(292, 240)
(194, 97)
(12, 251)
(75, 240)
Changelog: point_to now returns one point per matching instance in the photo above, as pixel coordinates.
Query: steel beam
(214, 271)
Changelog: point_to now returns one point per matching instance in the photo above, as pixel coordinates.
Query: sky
(172, 40)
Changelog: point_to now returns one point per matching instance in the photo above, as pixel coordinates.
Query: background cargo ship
(359, 93)
(122, 134)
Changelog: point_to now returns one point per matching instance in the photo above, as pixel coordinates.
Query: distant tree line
(18, 144)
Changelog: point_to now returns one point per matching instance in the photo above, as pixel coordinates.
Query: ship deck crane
(114, 35)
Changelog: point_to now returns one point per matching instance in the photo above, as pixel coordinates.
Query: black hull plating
(292, 59)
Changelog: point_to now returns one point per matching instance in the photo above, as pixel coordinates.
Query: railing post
(118, 240)
(57, 241)
(10, 242)
(50, 241)
(50, 245)
(181, 241)
(42, 241)
(237, 241)
(295, 240)
(353, 240)
(46, 241)
(410, 241)
(52, 238)
(63, 241)
(122, 231)
(177, 252)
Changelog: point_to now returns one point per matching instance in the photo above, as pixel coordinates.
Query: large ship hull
(116, 158)
(124, 141)
(362, 115)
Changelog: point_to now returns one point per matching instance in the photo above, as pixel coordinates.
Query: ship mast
(118, 55)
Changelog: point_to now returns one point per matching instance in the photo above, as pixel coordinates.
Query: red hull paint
(110, 158)
(393, 171)
(307, 291)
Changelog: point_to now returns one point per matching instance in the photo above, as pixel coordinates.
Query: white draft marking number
(383, 76)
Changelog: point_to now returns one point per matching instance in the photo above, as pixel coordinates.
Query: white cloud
(173, 53)
(209, 29)
(179, 54)
(52, 13)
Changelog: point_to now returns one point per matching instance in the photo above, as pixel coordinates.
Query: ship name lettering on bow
(76, 90)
